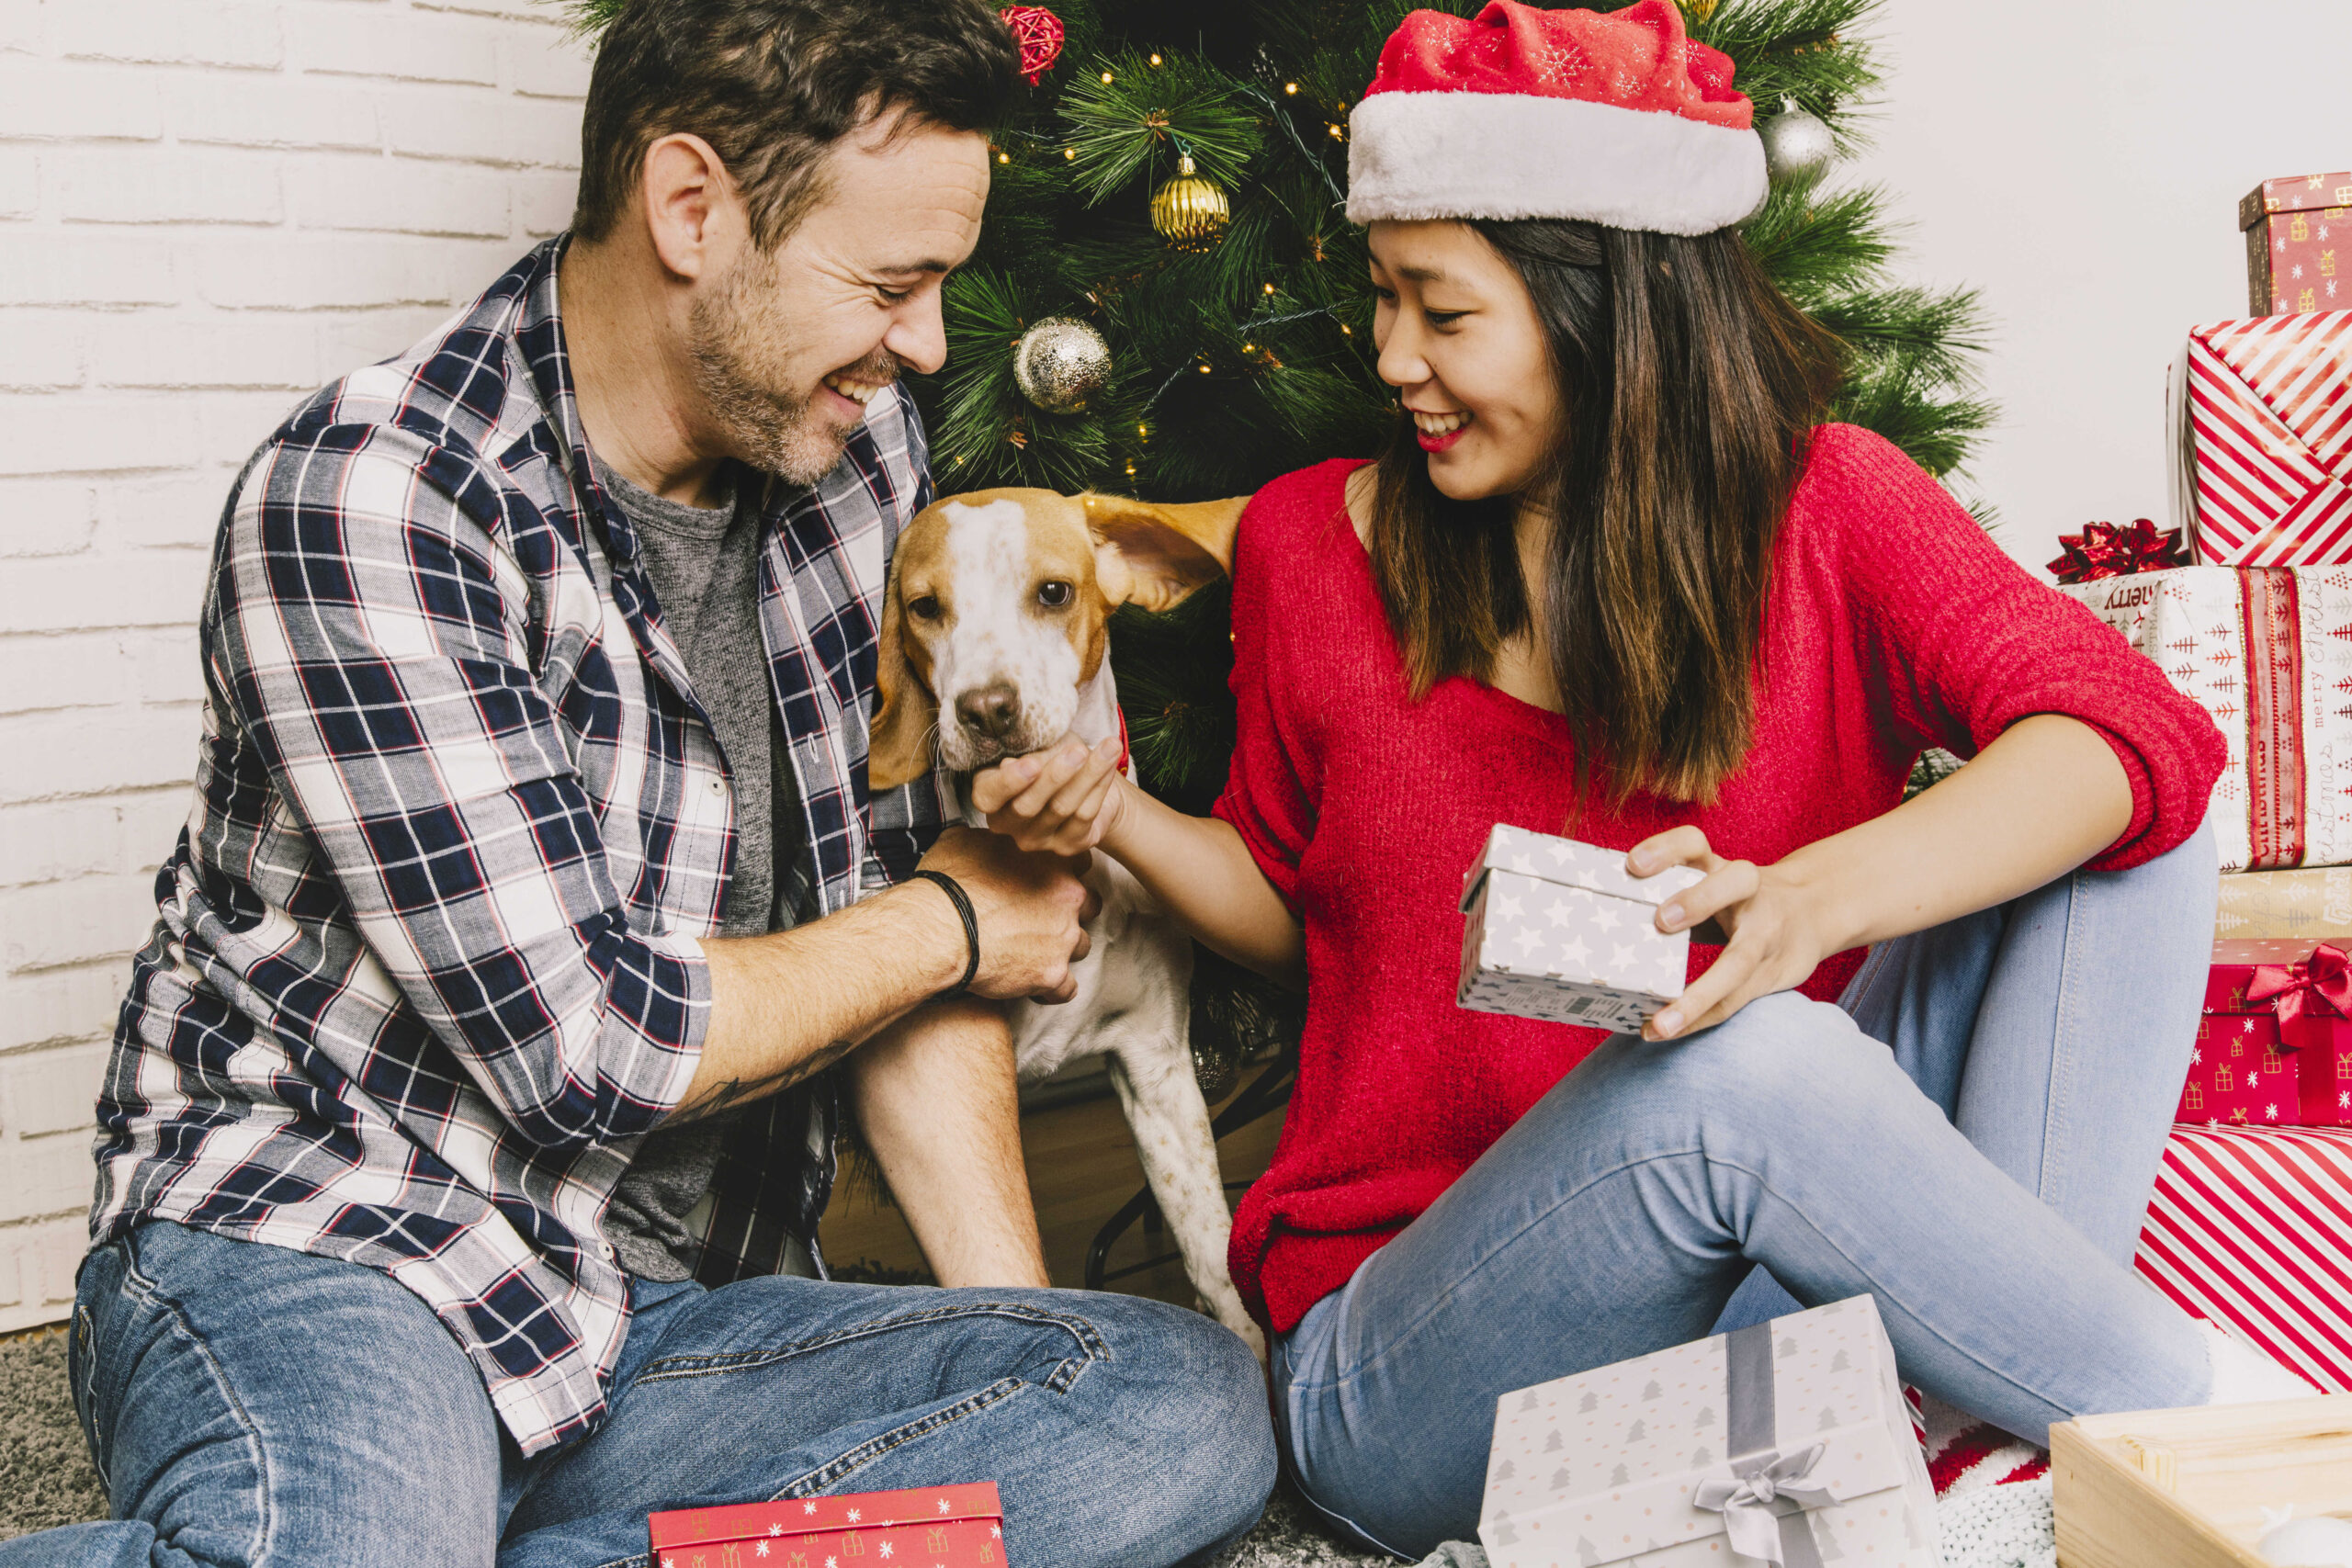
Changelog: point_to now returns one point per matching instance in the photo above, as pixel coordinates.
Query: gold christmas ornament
(1060, 362)
(1189, 212)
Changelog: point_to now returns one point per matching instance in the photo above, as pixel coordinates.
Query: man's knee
(1191, 1401)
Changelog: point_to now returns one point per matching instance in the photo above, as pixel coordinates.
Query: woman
(1611, 575)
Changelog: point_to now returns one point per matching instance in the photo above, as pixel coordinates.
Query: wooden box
(2186, 1488)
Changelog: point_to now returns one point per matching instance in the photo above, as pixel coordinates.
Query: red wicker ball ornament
(1039, 33)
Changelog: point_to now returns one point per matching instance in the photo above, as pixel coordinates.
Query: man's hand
(1031, 908)
(1771, 925)
(1063, 800)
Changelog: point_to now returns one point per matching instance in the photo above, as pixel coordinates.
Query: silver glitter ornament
(1796, 145)
(1060, 362)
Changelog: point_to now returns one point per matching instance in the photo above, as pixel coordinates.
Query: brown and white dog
(993, 643)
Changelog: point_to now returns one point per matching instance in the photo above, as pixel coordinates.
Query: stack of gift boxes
(2247, 607)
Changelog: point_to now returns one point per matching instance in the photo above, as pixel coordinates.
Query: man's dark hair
(771, 84)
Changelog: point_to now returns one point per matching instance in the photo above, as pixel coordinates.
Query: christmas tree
(1168, 301)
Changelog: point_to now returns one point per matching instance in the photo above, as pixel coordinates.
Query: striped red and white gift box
(2267, 404)
(2251, 1227)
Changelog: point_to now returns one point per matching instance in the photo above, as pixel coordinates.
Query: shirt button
(605, 1247)
(717, 785)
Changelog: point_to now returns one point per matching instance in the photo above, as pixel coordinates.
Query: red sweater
(1893, 623)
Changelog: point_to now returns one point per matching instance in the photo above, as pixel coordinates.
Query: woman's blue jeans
(1971, 1137)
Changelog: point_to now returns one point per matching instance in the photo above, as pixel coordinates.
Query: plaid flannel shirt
(426, 963)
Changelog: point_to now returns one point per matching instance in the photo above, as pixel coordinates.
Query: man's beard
(733, 337)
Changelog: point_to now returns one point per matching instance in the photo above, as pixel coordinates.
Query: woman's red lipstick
(1439, 442)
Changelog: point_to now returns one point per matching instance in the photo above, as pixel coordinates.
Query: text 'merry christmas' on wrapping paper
(1562, 931)
(2267, 653)
(1784, 1443)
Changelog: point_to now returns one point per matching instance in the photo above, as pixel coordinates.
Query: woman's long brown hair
(1689, 384)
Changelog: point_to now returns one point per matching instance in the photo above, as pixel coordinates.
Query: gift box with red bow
(2275, 1044)
(2259, 419)
(957, 1527)
(2267, 652)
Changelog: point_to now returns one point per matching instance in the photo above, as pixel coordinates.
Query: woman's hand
(1062, 800)
(1774, 932)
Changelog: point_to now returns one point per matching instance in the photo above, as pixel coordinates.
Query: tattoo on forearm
(730, 1092)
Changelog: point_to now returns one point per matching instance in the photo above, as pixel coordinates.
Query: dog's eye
(925, 608)
(1053, 595)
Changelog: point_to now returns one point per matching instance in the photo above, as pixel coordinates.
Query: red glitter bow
(2102, 549)
(1039, 33)
(2320, 986)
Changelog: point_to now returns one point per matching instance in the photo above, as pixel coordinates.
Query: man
(472, 1092)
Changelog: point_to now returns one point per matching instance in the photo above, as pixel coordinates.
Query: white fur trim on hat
(1416, 155)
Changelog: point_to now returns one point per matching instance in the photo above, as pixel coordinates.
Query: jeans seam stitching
(865, 1453)
(1093, 1347)
(175, 1315)
(2053, 1166)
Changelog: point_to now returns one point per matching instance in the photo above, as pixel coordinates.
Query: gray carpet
(46, 1479)
(45, 1475)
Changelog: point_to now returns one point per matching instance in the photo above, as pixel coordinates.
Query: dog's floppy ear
(904, 712)
(1155, 556)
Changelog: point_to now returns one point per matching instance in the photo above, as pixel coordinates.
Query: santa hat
(1518, 112)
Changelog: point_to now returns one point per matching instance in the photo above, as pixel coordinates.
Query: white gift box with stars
(1561, 931)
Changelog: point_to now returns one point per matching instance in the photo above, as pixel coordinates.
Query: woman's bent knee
(1783, 1061)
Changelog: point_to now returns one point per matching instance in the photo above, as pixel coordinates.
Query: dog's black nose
(991, 710)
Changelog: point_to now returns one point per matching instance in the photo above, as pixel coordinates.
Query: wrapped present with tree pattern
(1786, 1442)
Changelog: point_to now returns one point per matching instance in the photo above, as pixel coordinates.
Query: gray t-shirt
(703, 565)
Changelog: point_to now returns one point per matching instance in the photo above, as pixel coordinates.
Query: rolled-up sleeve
(371, 637)
(1964, 643)
(1265, 798)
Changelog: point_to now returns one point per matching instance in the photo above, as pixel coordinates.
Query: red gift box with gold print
(939, 1526)
(2295, 230)
(2275, 1045)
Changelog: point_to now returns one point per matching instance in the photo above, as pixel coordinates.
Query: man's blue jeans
(250, 1405)
(1984, 1180)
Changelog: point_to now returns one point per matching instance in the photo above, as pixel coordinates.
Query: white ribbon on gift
(1744, 1492)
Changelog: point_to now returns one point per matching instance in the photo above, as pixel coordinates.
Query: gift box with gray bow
(1562, 931)
(1784, 1443)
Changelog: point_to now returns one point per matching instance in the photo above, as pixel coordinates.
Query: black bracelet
(963, 902)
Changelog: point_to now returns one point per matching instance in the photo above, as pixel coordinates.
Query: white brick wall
(207, 209)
